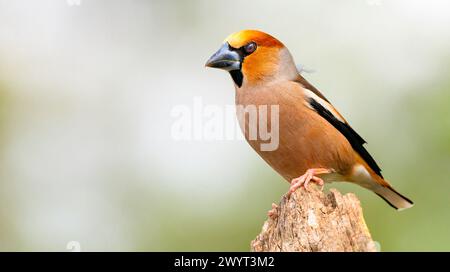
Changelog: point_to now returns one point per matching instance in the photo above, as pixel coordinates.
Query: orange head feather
(264, 61)
(243, 37)
(253, 57)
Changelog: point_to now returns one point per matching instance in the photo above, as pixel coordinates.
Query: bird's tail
(384, 190)
(393, 198)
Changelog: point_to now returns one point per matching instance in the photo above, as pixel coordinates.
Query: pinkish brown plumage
(316, 144)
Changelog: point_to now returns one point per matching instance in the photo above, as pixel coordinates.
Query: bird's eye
(250, 48)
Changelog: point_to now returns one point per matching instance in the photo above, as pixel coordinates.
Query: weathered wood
(315, 221)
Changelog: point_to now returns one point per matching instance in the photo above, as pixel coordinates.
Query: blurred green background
(86, 93)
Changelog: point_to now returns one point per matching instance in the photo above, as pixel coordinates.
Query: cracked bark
(312, 221)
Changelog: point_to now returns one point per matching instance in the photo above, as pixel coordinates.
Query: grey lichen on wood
(312, 221)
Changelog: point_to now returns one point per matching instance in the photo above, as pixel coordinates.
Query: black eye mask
(243, 52)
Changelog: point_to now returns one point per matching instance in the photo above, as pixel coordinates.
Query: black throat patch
(237, 77)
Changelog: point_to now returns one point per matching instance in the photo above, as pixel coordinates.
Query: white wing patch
(324, 104)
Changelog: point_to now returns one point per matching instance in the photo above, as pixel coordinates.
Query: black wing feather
(352, 136)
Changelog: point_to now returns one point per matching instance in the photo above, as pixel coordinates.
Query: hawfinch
(316, 143)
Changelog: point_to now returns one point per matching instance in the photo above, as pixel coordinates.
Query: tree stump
(311, 221)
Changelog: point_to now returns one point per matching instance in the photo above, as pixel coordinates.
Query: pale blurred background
(86, 93)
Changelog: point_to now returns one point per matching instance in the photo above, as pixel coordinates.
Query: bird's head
(253, 57)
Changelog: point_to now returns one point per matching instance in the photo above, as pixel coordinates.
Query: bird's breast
(298, 139)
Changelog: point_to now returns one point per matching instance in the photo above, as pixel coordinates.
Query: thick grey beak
(225, 59)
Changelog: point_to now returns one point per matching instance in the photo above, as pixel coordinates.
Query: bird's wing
(317, 102)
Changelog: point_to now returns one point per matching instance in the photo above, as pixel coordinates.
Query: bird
(316, 143)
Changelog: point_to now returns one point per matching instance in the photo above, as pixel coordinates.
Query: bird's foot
(309, 176)
(273, 213)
